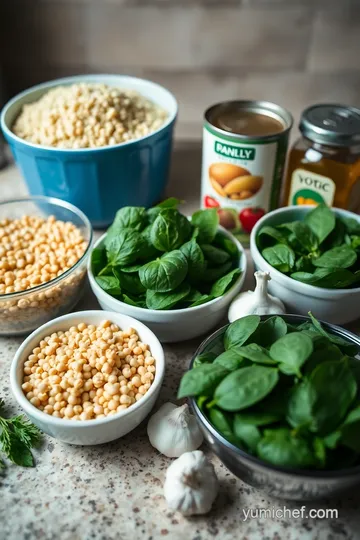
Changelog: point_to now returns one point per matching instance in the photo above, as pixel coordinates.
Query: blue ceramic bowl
(97, 180)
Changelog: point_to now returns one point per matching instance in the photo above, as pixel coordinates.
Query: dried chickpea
(67, 393)
(86, 116)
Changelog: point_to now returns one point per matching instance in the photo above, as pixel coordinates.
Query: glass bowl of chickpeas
(88, 377)
(44, 247)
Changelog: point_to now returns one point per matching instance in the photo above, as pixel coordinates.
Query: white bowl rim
(309, 290)
(53, 420)
(91, 77)
(183, 311)
(64, 204)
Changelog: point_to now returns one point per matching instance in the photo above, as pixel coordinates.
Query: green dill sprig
(17, 436)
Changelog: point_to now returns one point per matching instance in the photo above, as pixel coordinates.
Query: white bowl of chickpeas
(88, 377)
(44, 247)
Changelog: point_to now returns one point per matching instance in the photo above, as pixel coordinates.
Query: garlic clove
(191, 485)
(257, 302)
(173, 430)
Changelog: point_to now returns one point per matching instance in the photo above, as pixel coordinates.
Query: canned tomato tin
(244, 150)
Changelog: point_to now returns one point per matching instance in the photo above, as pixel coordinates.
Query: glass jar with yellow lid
(324, 164)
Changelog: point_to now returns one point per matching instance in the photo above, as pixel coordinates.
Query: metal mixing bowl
(285, 483)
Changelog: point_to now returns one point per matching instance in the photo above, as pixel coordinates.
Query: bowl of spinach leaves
(278, 400)
(313, 256)
(176, 274)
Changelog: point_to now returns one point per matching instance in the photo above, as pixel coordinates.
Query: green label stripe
(237, 152)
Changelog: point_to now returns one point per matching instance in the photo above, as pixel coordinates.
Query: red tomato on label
(210, 202)
(249, 216)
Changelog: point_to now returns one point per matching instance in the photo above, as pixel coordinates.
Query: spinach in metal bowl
(322, 250)
(289, 394)
(158, 259)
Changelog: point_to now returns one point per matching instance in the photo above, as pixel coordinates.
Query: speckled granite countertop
(114, 491)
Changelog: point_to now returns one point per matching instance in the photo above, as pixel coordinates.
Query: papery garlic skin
(257, 302)
(191, 484)
(173, 430)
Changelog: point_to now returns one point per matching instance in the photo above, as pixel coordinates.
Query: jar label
(310, 188)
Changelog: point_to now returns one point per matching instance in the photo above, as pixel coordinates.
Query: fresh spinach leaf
(246, 433)
(238, 332)
(326, 351)
(129, 217)
(109, 284)
(201, 381)
(136, 302)
(350, 430)
(171, 202)
(268, 236)
(334, 389)
(195, 260)
(304, 264)
(129, 282)
(170, 230)
(244, 387)
(305, 236)
(132, 269)
(98, 260)
(254, 417)
(321, 221)
(255, 353)
(280, 257)
(337, 257)
(212, 274)
(222, 422)
(207, 221)
(352, 226)
(270, 331)
(166, 273)
(166, 300)
(284, 449)
(226, 244)
(326, 278)
(300, 405)
(347, 347)
(319, 449)
(215, 255)
(231, 360)
(124, 248)
(204, 358)
(292, 350)
(223, 284)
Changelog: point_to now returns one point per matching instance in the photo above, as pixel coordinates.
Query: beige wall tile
(294, 91)
(140, 37)
(196, 37)
(336, 41)
(252, 38)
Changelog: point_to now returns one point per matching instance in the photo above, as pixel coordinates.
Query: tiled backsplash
(293, 52)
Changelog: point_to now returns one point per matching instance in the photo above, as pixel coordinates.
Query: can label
(310, 188)
(242, 178)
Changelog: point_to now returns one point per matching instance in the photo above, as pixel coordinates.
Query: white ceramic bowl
(97, 431)
(176, 324)
(337, 306)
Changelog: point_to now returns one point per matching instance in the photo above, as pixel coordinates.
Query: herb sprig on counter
(323, 250)
(288, 394)
(158, 259)
(17, 436)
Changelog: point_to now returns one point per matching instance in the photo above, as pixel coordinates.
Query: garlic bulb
(258, 302)
(173, 430)
(191, 485)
